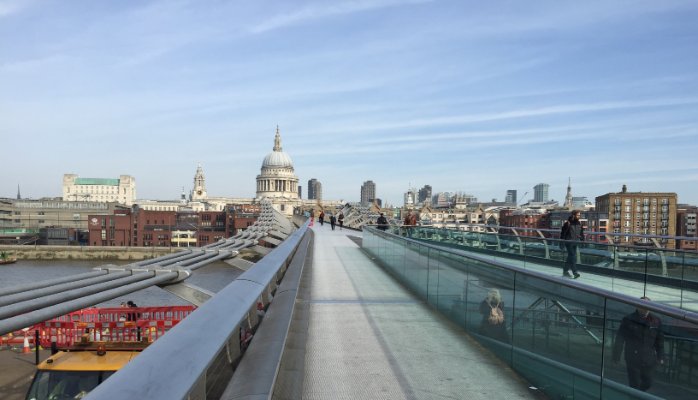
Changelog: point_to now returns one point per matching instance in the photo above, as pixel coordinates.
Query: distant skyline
(470, 96)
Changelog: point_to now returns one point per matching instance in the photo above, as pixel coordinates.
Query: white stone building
(102, 190)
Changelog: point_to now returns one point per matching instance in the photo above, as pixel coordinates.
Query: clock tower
(199, 192)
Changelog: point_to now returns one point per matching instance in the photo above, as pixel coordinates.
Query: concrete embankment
(87, 252)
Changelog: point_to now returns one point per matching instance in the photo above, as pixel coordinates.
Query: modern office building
(640, 213)
(314, 189)
(441, 199)
(102, 190)
(510, 197)
(424, 195)
(581, 203)
(540, 193)
(368, 192)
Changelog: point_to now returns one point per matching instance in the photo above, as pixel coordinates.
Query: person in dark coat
(572, 232)
(493, 323)
(321, 218)
(382, 222)
(340, 219)
(640, 337)
(333, 221)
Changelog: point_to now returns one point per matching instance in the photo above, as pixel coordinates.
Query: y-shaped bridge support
(565, 311)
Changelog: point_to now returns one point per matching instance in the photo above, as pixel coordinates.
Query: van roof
(87, 361)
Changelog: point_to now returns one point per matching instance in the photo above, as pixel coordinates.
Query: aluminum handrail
(556, 231)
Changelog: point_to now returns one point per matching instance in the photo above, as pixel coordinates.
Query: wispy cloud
(527, 113)
(10, 7)
(332, 8)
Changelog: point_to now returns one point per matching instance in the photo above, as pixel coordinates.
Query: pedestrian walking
(571, 234)
(321, 218)
(340, 219)
(333, 221)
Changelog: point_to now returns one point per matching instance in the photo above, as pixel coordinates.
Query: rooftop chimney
(625, 189)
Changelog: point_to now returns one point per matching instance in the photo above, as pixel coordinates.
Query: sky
(471, 96)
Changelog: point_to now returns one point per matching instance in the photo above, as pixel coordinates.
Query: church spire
(19, 196)
(277, 140)
(568, 198)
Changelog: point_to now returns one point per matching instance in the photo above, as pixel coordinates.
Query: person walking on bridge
(382, 222)
(333, 221)
(410, 222)
(572, 233)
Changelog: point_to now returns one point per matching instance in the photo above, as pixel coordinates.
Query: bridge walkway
(368, 337)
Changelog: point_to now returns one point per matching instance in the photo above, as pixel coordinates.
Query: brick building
(145, 228)
(640, 213)
(686, 226)
(532, 219)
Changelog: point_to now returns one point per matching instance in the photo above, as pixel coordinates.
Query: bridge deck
(368, 337)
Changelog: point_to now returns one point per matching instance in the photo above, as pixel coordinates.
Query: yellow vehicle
(72, 373)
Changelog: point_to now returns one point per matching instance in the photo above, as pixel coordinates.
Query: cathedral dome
(277, 158)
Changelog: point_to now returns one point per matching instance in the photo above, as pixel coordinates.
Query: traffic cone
(25, 348)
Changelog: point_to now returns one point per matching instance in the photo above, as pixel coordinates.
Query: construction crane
(522, 199)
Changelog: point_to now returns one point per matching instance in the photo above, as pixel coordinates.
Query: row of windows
(95, 189)
(61, 205)
(653, 216)
(640, 231)
(644, 201)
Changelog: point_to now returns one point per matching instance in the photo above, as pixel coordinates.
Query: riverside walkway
(368, 337)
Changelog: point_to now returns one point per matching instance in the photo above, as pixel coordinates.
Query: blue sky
(469, 96)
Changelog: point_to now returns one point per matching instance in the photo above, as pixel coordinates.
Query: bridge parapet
(195, 359)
